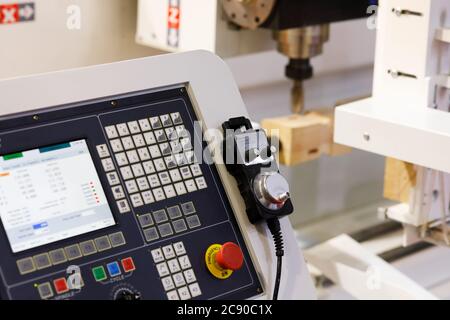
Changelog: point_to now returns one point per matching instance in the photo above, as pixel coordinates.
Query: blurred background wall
(107, 34)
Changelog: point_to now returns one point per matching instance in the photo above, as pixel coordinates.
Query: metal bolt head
(397, 11)
(366, 136)
(435, 194)
(394, 73)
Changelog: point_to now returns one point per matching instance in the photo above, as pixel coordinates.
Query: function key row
(72, 252)
(143, 125)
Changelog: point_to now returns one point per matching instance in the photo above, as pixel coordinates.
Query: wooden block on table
(302, 137)
(399, 179)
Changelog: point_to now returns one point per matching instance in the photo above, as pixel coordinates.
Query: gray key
(179, 225)
(58, 256)
(45, 290)
(88, 248)
(26, 265)
(188, 208)
(174, 212)
(146, 220)
(160, 216)
(117, 239)
(165, 230)
(151, 234)
(73, 252)
(103, 243)
(42, 261)
(193, 221)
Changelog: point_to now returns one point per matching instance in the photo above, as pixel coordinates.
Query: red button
(128, 264)
(230, 256)
(61, 285)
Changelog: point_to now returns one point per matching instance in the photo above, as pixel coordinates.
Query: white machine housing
(398, 118)
(215, 97)
(177, 26)
(407, 117)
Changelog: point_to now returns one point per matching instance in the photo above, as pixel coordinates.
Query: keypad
(154, 158)
(175, 271)
(163, 223)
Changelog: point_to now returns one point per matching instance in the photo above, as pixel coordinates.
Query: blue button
(41, 225)
(113, 269)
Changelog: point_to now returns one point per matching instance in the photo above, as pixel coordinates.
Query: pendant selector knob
(271, 189)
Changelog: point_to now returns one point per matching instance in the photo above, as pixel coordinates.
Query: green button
(99, 273)
(13, 156)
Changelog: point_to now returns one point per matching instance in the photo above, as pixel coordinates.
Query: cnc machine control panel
(110, 200)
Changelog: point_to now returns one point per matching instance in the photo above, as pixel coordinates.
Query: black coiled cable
(275, 230)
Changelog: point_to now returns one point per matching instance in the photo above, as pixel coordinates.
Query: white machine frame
(215, 97)
(400, 120)
(408, 118)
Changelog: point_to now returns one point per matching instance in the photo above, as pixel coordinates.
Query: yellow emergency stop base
(212, 265)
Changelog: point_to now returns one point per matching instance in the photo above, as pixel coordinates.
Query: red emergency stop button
(223, 259)
(230, 256)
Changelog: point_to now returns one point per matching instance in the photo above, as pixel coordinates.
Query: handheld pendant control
(249, 157)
